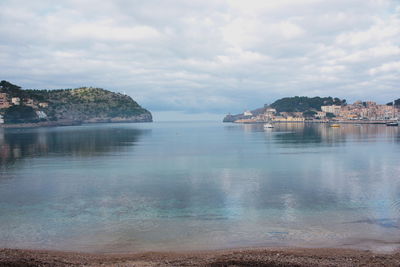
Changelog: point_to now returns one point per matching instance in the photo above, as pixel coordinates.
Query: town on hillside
(300, 110)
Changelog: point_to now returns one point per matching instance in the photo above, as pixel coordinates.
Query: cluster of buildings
(271, 115)
(7, 102)
(368, 111)
(358, 111)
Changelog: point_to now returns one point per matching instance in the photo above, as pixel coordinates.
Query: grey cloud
(205, 56)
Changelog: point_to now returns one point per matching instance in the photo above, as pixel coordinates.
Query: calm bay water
(174, 186)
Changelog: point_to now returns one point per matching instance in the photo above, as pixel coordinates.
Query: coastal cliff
(233, 118)
(85, 104)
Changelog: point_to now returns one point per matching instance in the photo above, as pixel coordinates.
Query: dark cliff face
(233, 118)
(81, 104)
(229, 118)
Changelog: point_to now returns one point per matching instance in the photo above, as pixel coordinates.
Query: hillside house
(16, 101)
(4, 103)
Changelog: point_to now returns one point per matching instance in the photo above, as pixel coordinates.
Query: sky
(201, 59)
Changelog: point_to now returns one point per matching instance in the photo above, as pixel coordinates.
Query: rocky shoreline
(235, 257)
(137, 119)
(315, 121)
(42, 124)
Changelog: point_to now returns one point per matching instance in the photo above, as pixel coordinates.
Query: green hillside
(304, 103)
(81, 104)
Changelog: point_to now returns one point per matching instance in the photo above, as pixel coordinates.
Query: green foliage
(396, 103)
(309, 114)
(86, 103)
(83, 103)
(303, 103)
(7, 87)
(330, 115)
(20, 114)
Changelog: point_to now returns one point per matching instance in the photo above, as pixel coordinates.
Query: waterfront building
(270, 111)
(367, 111)
(320, 114)
(288, 119)
(247, 113)
(268, 114)
(332, 109)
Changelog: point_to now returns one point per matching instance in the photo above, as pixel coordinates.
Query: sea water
(199, 185)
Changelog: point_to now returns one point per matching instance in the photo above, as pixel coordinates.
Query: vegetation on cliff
(20, 114)
(304, 104)
(396, 103)
(83, 104)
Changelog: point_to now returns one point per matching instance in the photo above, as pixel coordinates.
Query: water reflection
(84, 141)
(199, 186)
(300, 133)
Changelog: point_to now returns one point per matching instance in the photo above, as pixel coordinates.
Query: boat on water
(335, 125)
(392, 123)
(268, 126)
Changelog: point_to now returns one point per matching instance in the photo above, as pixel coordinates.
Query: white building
(16, 100)
(41, 114)
(332, 109)
(247, 113)
(270, 111)
(321, 114)
(1, 119)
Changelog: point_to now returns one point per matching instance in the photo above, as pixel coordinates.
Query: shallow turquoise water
(177, 186)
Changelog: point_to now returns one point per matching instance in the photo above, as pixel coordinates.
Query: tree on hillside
(330, 115)
(303, 103)
(8, 87)
(309, 114)
(20, 114)
(396, 103)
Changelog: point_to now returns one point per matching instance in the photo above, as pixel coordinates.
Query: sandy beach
(234, 257)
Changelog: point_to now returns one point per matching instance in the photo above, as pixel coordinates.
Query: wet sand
(235, 257)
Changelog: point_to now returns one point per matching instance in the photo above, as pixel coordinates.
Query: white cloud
(105, 31)
(387, 67)
(381, 30)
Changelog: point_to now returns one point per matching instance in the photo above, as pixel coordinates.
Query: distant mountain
(292, 104)
(84, 104)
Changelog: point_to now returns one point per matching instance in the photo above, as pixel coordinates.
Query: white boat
(392, 123)
(268, 125)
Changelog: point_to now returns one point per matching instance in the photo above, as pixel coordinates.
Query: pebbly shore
(235, 257)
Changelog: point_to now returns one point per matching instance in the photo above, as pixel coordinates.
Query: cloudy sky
(204, 58)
